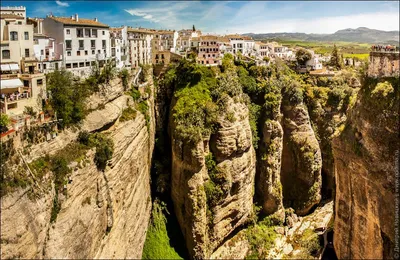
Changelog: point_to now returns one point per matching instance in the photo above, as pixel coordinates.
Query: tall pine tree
(336, 58)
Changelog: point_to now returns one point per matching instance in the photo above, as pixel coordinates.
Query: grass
(348, 49)
(157, 244)
(128, 114)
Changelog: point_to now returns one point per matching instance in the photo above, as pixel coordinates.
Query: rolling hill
(361, 34)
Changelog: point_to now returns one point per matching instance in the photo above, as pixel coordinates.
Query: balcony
(81, 47)
(30, 58)
(93, 47)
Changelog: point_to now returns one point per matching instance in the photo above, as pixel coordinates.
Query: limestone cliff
(301, 160)
(205, 224)
(365, 156)
(103, 214)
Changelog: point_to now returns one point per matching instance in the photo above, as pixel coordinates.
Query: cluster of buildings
(32, 47)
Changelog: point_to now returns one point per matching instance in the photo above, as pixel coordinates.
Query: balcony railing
(30, 58)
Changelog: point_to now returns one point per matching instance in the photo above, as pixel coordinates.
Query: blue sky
(228, 16)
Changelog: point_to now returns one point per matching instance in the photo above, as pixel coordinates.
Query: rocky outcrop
(301, 161)
(268, 184)
(203, 224)
(103, 214)
(365, 154)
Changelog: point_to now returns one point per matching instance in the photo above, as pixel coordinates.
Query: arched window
(14, 36)
(5, 54)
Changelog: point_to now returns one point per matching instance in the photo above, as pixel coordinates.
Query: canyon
(251, 161)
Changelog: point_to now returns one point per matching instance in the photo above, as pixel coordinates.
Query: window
(93, 51)
(86, 52)
(44, 66)
(87, 32)
(68, 53)
(26, 35)
(104, 32)
(7, 22)
(79, 32)
(26, 52)
(75, 65)
(94, 33)
(68, 44)
(98, 51)
(26, 83)
(68, 65)
(39, 82)
(13, 36)
(41, 52)
(88, 64)
(78, 53)
(5, 54)
(81, 46)
(68, 32)
(19, 22)
(104, 43)
(81, 64)
(39, 66)
(93, 44)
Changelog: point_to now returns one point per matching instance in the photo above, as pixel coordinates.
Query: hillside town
(33, 47)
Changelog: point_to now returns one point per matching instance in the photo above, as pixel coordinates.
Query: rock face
(104, 214)
(205, 226)
(269, 187)
(301, 161)
(365, 155)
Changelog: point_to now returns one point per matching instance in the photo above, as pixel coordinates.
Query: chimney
(95, 19)
(76, 17)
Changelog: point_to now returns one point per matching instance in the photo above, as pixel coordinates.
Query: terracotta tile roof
(209, 37)
(141, 30)
(81, 21)
(11, 16)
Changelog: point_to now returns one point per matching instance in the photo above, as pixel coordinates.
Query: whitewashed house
(81, 43)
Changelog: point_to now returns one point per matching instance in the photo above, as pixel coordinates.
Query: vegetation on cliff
(157, 244)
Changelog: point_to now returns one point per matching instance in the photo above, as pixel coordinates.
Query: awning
(11, 83)
(14, 66)
(5, 67)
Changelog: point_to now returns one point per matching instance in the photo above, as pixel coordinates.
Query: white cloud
(64, 4)
(381, 21)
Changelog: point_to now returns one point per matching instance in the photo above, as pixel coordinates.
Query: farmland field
(348, 49)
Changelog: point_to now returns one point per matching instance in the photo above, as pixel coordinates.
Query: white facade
(314, 63)
(79, 42)
(139, 46)
(17, 10)
(119, 46)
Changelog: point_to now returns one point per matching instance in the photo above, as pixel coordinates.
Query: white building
(314, 63)
(16, 10)
(139, 46)
(80, 42)
(184, 40)
(262, 50)
(119, 46)
(242, 44)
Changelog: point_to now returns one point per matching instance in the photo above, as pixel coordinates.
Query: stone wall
(384, 64)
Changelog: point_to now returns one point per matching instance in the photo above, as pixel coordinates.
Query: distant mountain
(361, 34)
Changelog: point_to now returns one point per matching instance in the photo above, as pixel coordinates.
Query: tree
(336, 59)
(194, 28)
(302, 56)
(4, 122)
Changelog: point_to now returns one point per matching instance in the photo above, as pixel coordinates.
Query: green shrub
(104, 150)
(254, 115)
(4, 122)
(83, 137)
(143, 108)
(135, 93)
(157, 243)
(261, 239)
(128, 114)
(310, 241)
(124, 75)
